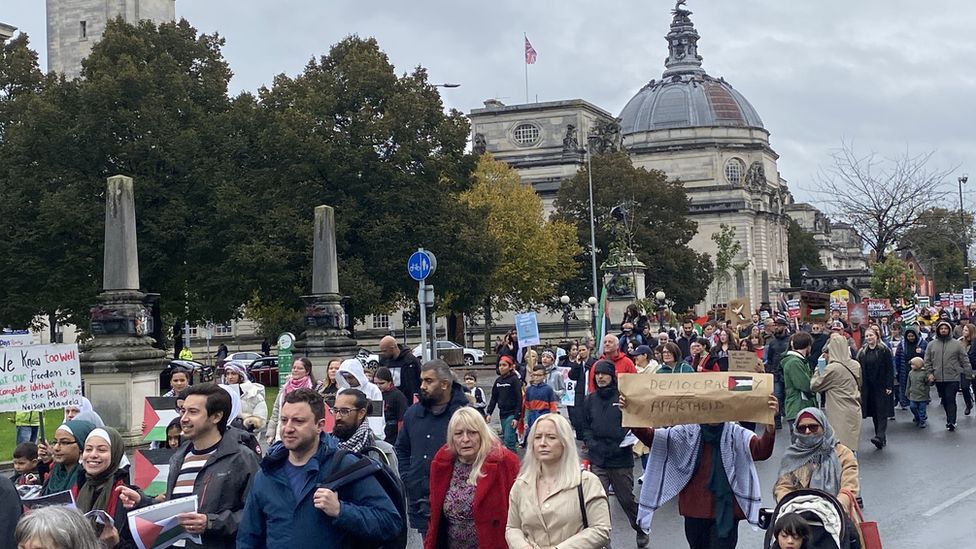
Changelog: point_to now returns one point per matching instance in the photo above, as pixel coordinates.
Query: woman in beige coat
(544, 509)
(840, 380)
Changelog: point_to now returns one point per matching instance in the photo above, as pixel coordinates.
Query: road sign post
(421, 265)
(286, 344)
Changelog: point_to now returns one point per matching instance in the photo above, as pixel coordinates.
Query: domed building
(694, 127)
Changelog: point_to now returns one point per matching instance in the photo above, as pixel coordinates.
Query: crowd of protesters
(543, 479)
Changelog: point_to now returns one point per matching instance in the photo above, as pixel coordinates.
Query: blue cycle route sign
(419, 266)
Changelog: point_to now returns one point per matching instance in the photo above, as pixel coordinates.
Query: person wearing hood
(287, 506)
(554, 376)
(422, 434)
(604, 435)
(98, 488)
(300, 378)
(911, 346)
(711, 468)
(815, 459)
(352, 376)
(254, 407)
(946, 360)
(236, 427)
(877, 384)
(840, 380)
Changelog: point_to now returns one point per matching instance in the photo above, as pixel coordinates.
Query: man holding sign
(710, 467)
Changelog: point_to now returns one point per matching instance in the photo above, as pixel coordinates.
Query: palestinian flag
(740, 383)
(157, 414)
(156, 535)
(152, 470)
(699, 324)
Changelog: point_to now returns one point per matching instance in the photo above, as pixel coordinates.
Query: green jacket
(679, 368)
(918, 386)
(796, 377)
(27, 419)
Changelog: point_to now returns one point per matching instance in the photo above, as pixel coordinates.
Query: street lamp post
(565, 301)
(965, 235)
(592, 301)
(589, 175)
(660, 296)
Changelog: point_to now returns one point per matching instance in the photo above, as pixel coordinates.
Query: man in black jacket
(603, 434)
(10, 511)
(403, 365)
(685, 338)
(776, 347)
(506, 393)
(819, 341)
(579, 371)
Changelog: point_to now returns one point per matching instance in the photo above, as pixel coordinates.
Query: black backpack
(388, 479)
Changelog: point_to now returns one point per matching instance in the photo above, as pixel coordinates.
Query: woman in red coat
(470, 478)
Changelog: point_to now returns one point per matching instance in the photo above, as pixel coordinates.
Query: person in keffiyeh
(351, 428)
(711, 468)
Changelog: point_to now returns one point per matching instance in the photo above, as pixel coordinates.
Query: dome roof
(686, 96)
(687, 100)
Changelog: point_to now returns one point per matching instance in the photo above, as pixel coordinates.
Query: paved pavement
(921, 489)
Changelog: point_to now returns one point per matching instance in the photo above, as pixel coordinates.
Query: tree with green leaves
(726, 267)
(661, 228)
(803, 252)
(892, 279)
(937, 241)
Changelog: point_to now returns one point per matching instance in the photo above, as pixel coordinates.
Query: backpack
(365, 466)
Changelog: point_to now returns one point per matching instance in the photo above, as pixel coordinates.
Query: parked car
(264, 370)
(244, 357)
(369, 358)
(199, 373)
(471, 356)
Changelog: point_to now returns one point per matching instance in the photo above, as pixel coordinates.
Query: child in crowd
(26, 465)
(480, 401)
(791, 532)
(506, 393)
(394, 402)
(178, 381)
(539, 397)
(917, 391)
(174, 434)
(554, 376)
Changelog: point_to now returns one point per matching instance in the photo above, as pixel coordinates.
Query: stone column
(325, 336)
(119, 366)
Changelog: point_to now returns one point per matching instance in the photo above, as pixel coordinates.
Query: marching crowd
(356, 459)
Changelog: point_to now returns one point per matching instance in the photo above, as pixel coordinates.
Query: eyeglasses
(808, 429)
(339, 412)
(63, 442)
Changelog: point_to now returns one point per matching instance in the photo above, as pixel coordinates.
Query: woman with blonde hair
(470, 478)
(553, 503)
(878, 383)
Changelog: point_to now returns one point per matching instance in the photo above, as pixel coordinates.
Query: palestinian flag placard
(740, 383)
(156, 526)
(157, 414)
(152, 470)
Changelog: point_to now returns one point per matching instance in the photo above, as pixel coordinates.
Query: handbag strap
(579, 492)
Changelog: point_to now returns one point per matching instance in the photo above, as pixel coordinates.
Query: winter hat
(604, 367)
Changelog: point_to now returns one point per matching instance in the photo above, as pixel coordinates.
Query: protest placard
(569, 395)
(743, 361)
(738, 312)
(15, 339)
(662, 400)
(878, 308)
(967, 297)
(857, 313)
(156, 526)
(157, 413)
(957, 301)
(527, 328)
(39, 377)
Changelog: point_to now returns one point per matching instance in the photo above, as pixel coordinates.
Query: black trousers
(967, 395)
(947, 392)
(880, 426)
(702, 534)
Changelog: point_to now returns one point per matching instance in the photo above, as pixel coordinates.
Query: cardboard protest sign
(663, 400)
(39, 377)
(857, 313)
(527, 328)
(738, 312)
(152, 470)
(742, 361)
(157, 414)
(156, 526)
(878, 308)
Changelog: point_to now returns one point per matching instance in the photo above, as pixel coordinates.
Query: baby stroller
(830, 526)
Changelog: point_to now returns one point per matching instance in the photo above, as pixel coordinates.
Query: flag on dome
(530, 53)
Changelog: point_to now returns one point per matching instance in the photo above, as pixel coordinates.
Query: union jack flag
(530, 53)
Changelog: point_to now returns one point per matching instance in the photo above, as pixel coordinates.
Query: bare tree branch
(880, 197)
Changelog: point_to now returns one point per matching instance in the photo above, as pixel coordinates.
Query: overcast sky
(887, 75)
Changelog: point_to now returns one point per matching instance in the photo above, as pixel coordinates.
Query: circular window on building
(526, 134)
(735, 169)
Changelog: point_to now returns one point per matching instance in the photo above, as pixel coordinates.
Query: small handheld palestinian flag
(740, 383)
(157, 526)
(152, 470)
(157, 414)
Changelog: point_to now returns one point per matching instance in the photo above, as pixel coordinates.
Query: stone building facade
(839, 245)
(6, 32)
(73, 26)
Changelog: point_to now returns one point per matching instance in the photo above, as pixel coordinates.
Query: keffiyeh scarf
(362, 438)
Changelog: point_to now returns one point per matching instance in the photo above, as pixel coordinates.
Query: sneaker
(950, 427)
(969, 410)
(878, 443)
(642, 539)
(922, 425)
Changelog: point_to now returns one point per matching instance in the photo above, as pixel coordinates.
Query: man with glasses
(351, 428)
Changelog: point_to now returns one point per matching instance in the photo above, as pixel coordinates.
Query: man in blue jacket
(286, 508)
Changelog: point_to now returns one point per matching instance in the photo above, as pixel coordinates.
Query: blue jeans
(779, 390)
(509, 435)
(918, 408)
(26, 433)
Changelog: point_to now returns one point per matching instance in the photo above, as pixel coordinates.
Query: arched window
(734, 171)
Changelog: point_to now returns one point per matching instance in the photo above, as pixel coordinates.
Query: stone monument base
(326, 337)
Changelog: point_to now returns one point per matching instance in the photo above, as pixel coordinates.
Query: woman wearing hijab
(254, 408)
(815, 459)
(69, 440)
(300, 378)
(840, 380)
(236, 424)
(96, 489)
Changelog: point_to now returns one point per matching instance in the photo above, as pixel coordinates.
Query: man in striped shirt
(214, 465)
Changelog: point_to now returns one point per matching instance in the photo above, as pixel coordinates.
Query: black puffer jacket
(775, 349)
(409, 367)
(602, 430)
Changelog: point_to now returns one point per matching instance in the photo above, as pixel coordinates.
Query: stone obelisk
(120, 367)
(325, 334)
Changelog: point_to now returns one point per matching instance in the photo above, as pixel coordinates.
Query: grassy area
(8, 434)
(270, 394)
